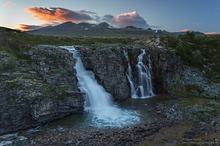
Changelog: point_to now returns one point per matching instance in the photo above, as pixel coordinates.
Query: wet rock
(68, 142)
(13, 140)
(40, 88)
(109, 66)
(61, 129)
(6, 143)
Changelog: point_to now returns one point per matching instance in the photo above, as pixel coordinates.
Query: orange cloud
(126, 19)
(60, 14)
(211, 33)
(25, 27)
(186, 30)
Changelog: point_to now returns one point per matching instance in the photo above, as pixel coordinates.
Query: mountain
(104, 25)
(70, 29)
(59, 29)
(66, 25)
(132, 28)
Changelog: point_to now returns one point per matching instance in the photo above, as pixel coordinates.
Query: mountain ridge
(102, 29)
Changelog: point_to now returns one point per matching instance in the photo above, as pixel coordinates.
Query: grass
(15, 42)
(200, 108)
(199, 51)
(194, 88)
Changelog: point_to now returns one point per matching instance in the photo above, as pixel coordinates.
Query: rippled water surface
(133, 111)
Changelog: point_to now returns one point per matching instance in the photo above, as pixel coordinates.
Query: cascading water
(143, 88)
(98, 101)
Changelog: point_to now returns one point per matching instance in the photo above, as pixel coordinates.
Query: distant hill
(70, 29)
(132, 28)
(104, 25)
(103, 29)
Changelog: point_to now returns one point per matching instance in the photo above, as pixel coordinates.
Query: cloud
(126, 19)
(56, 14)
(108, 18)
(185, 30)
(59, 15)
(86, 12)
(25, 27)
(155, 27)
(8, 3)
(211, 33)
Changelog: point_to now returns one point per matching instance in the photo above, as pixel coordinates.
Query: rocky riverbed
(177, 122)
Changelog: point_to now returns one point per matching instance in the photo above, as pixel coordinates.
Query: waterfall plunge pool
(141, 110)
(100, 111)
(104, 114)
(83, 123)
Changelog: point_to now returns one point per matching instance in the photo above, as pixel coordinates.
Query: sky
(170, 15)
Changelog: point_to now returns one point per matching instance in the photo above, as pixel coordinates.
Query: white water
(98, 102)
(143, 88)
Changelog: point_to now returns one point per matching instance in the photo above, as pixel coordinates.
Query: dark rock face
(109, 65)
(40, 88)
(167, 70)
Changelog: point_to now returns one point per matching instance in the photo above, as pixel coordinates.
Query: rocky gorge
(42, 86)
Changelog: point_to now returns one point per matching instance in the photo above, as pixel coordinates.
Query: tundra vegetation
(201, 116)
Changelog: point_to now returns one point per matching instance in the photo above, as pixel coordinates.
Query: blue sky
(170, 15)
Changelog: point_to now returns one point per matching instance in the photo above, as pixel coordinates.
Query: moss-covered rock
(37, 89)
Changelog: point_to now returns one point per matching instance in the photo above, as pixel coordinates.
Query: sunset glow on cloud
(211, 33)
(126, 19)
(25, 27)
(202, 16)
(130, 18)
(60, 14)
(185, 30)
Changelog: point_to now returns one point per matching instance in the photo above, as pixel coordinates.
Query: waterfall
(143, 88)
(98, 101)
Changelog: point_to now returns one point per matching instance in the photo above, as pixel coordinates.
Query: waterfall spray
(143, 88)
(98, 101)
